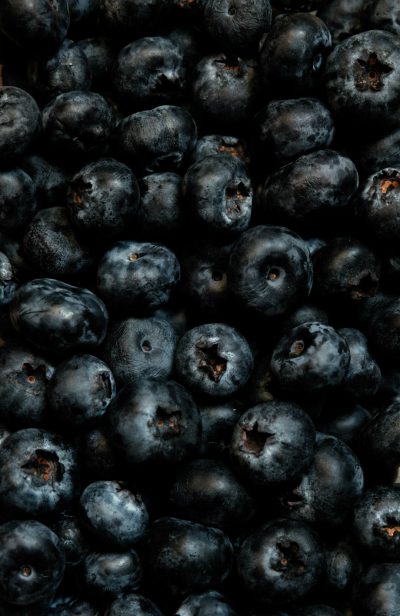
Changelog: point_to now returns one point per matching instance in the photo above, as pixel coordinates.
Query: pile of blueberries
(199, 308)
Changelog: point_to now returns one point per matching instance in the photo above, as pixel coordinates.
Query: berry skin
(56, 316)
(273, 443)
(20, 121)
(280, 562)
(270, 270)
(214, 359)
(32, 562)
(310, 357)
(17, 199)
(111, 573)
(137, 276)
(160, 215)
(154, 421)
(114, 515)
(8, 284)
(39, 473)
(377, 591)
(209, 603)
(132, 605)
(362, 79)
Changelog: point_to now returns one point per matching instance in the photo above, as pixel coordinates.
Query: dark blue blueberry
(347, 425)
(101, 55)
(38, 26)
(377, 591)
(377, 522)
(52, 246)
(309, 191)
(378, 152)
(132, 605)
(23, 386)
(362, 79)
(363, 377)
(82, 10)
(130, 17)
(304, 314)
(210, 603)
(218, 193)
(384, 15)
(113, 514)
(138, 276)
(160, 215)
(273, 443)
(17, 199)
(225, 91)
(112, 573)
(343, 18)
(382, 326)
(32, 563)
(80, 390)
(270, 270)
(154, 421)
(214, 359)
(379, 441)
(309, 358)
(58, 317)
(158, 139)
(208, 492)
(67, 70)
(287, 129)
(149, 72)
(19, 119)
(280, 562)
(184, 557)
(346, 269)
(221, 144)
(218, 420)
(377, 205)
(70, 606)
(326, 496)
(39, 473)
(140, 348)
(49, 179)
(343, 566)
(78, 123)
(237, 25)
(8, 283)
(103, 199)
(293, 54)
(99, 458)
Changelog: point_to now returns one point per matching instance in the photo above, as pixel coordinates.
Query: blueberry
(218, 194)
(80, 390)
(273, 443)
(154, 421)
(17, 199)
(39, 473)
(50, 180)
(293, 54)
(101, 55)
(128, 17)
(346, 269)
(70, 606)
(237, 25)
(363, 376)
(103, 199)
(116, 516)
(67, 70)
(72, 539)
(149, 72)
(32, 562)
(208, 492)
(112, 573)
(310, 357)
(221, 144)
(377, 591)
(270, 270)
(209, 603)
(218, 420)
(378, 441)
(52, 246)
(137, 276)
(38, 26)
(280, 562)
(326, 497)
(184, 557)
(343, 18)
(347, 425)
(23, 387)
(8, 283)
(57, 316)
(160, 215)
(225, 90)
(287, 129)
(361, 79)
(78, 123)
(20, 121)
(309, 191)
(100, 461)
(132, 605)
(158, 139)
(140, 348)
(214, 359)
(384, 15)
(376, 522)
(343, 566)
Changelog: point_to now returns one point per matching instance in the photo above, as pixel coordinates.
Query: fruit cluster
(199, 308)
